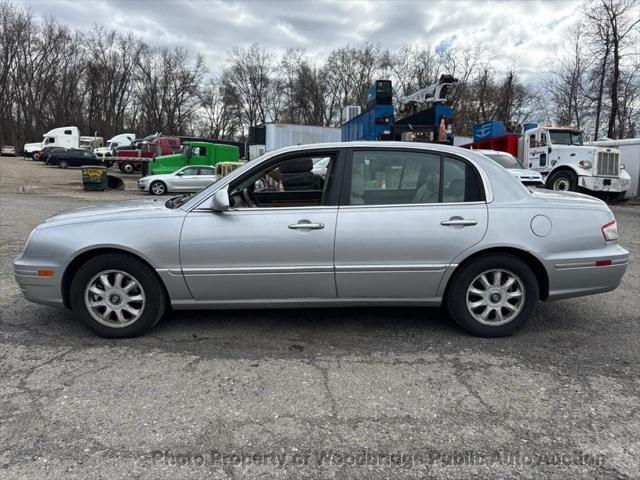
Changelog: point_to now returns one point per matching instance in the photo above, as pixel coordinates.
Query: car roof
(493, 152)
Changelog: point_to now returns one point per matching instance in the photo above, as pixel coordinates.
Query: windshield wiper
(175, 202)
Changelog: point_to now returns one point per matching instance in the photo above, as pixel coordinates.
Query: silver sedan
(185, 179)
(387, 224)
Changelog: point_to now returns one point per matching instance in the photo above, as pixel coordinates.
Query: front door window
(288, 183)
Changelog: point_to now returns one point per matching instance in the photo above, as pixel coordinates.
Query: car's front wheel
(117, 296)
(493, 296)
(127, 167)
(157, 188)
(63, 164)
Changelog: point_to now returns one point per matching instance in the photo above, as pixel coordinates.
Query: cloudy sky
(528, 32)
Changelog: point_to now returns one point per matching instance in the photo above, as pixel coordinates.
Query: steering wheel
(249, 199)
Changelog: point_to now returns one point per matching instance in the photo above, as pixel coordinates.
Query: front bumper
(143, 187)
(605, 184)
(579, 275)
(39, 289)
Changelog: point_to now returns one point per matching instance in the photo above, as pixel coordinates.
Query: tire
(157, 188)
(563, 181)
(147, 286)
(63, 164)
(127, 167)
(460, 297)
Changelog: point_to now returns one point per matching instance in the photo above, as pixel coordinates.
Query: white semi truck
(66, 137)
(559, 154)
(122, 140)
(566, 163)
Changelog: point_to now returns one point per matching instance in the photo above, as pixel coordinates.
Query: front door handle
(458, 222)
(306, 226)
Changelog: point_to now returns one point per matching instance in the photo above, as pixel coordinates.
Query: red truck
(130, 160)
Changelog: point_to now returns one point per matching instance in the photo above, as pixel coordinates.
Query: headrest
(299, 165)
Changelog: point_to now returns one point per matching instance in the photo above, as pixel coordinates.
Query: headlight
(29, 239)
(585, 163)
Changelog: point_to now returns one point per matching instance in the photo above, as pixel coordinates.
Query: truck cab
(194, 153)
(559, 154)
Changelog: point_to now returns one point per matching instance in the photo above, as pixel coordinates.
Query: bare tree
(568, 85)
(247, 81)
(218, 112)
(614, 23)
(167, 89)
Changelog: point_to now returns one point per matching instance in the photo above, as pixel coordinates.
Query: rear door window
(391, 177)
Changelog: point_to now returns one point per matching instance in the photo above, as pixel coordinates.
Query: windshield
(505, 159)
(565, 137)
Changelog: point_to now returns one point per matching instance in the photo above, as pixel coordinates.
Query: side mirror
(179, 174)
(189, 153)
(220, 202)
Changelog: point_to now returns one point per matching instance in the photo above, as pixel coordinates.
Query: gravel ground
(335, 393)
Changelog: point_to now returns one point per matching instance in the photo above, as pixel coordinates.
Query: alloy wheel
(114, 298)
(157, 188)
(495, 297)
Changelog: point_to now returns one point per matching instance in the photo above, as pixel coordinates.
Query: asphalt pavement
(330, 393)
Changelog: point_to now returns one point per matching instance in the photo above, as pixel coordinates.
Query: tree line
(107, 82)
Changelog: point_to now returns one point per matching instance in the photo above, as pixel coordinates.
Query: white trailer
(271, 136)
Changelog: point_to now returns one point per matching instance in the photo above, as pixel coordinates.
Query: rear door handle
(306, 226)
(458, 222)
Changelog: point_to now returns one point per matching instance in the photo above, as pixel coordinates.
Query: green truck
(194, 153)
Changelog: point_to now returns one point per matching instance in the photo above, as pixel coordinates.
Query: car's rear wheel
(493, 296)
(63, 164)
(117, 296)
(157, 188)
(563, 181)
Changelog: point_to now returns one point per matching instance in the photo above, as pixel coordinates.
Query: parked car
(8, 151)
(393, 223)
(72, 157)
(515, 167)
(43, 155)
(187, 179)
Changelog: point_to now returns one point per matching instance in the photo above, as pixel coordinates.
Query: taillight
(610, 231)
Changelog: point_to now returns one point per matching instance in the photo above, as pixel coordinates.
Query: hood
(171, 156)
(575, 152)
(118, 210)
(157, 176)
(567, 198)
(33, 146)
(525, 173)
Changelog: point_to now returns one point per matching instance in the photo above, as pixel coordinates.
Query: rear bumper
(578, 276)
(38, 289)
